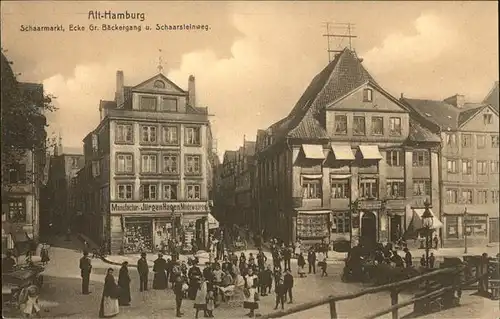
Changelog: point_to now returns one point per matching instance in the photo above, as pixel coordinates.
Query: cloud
(434, 35)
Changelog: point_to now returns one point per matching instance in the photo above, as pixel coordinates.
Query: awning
(370, 152)
(314, 212)
(342, 152)
(312, 176)
(212, 222)
(337, 176)
(313, 151)
(417, 219)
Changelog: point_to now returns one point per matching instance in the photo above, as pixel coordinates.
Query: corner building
(348, 162)
(149, 156)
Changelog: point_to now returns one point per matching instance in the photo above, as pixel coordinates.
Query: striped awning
(312, 151)
(370, 152)
(342, 152)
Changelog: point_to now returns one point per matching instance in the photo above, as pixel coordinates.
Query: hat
(143, 255)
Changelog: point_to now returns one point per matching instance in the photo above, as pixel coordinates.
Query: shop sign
(159, 207)
(395, 204)
(370, 204)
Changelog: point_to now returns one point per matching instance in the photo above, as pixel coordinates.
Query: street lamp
(427, 223)
(465, 230)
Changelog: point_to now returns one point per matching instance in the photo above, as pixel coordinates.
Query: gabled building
(469, 165)
(244, 186)
(348, 162)
(493, 96)
(227, 189)
(146, 167)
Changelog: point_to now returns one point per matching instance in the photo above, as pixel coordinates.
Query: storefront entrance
(163, 233)
(396, 228)
(368, 229)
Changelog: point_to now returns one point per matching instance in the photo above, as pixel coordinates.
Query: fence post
(394, 301)
(333, 310)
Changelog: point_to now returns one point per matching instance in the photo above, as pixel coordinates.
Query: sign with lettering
(159, 207)
(370, 204)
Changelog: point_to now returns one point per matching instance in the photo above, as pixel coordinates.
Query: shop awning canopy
(417, 219)
(313, 151)
(370, 152)
(213, 223)
(342, 152)
(338, 176)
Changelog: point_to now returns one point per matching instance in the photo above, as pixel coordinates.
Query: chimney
(120, 94)
(191, 91)
(402, 96)
(456, 100)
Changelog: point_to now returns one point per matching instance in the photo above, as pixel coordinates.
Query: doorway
(368, 229)
(396, 228)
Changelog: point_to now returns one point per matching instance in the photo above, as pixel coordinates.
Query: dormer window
(367, 95)
(159, 84)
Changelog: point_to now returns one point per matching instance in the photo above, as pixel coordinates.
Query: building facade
(227, 190)
(148, 162)
(244, 186)
(469, 166)
(347, 163)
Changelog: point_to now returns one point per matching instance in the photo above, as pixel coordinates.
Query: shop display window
(312, 226)
(138, 237)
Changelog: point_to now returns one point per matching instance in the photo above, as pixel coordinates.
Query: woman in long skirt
(297, 248)
(124, 283)
(251, 296)
(200, 302)
(109, 302)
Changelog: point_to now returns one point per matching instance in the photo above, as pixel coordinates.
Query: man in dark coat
(85, 269)
(124, 284)
(287, 256)
(279, 290)
(288, 282)
(143, 270)
(261, 260)
(178, 295)
(311, 259)
(408, 258)
(268, 280)
(160, 277)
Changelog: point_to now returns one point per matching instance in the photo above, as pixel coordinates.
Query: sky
(255, 60)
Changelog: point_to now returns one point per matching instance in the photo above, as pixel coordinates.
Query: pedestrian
(408, 258)
(301, 263)
(251, 301)
(279, 290)
(311, 259)
(85, 269)
(432, 259)
(323, 268)
(435, 241)
(297, 248)
(287, 256)
(28, 301)
(482, 272)
(179, 294)
(168, 271)
(8, 262)
(194, 276)
(143, 269)
(124, 284)
(44, 254)
(288, 282)
(200, 302)
(210, 303)
(261, 259)
(160, 277)
(109, 301)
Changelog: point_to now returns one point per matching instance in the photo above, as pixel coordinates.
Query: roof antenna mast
(338, 37)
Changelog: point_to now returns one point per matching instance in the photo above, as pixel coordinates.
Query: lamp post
(427, 223)
(465, 230)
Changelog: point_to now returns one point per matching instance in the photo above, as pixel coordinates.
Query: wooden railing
(394, 289)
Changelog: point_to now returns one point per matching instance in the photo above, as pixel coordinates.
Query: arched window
(159, 84)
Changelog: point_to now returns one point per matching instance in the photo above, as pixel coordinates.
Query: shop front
(148, 226)
(369, 219)
(312, 226)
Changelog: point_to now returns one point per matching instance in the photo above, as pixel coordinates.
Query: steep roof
(444, 114)
(420, 134)
(493, 96)
(339, 77)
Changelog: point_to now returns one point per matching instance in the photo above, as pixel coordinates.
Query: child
(210, 304)
(200, 302)
(28, 301)
(323, 268)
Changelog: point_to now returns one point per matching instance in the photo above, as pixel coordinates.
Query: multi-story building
(348, 162)
(469, 166)
(146, 164)
(59, 197)
(227, 190)
(244, 185)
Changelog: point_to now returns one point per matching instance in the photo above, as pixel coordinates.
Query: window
(340, 188)
(452, 166)
(482, 167)
(482, 197)
(159, 84)
(193, 136)
(494, 167)
(170, 135)
(368, 188)
(420, 158)
(451, 196)
(95, 143)
(367, 95)
(475, 226)
(341, 223)
(125, 191)
(394, 158)
(488, 119)
(193, 192)
(74, 162)
(395, 188)
(193, 164)
(171, 163)
(466, 140)
(451, 140)
(340, 124)
(148, 103)
(124, 133)
(148, 134)
(124, 163)
(148, 164)
(149, 191)
(311, 188)
(421, 187)
(467, 196)
(17, 174)
(452, 226)
(377, 125)
(359, 127)
(96, 168)
(395, 126)
(170, 191)
(466, 167)
(494, 141)
(481, 141)
(17, 210)
(169, 104)
(495, 196)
